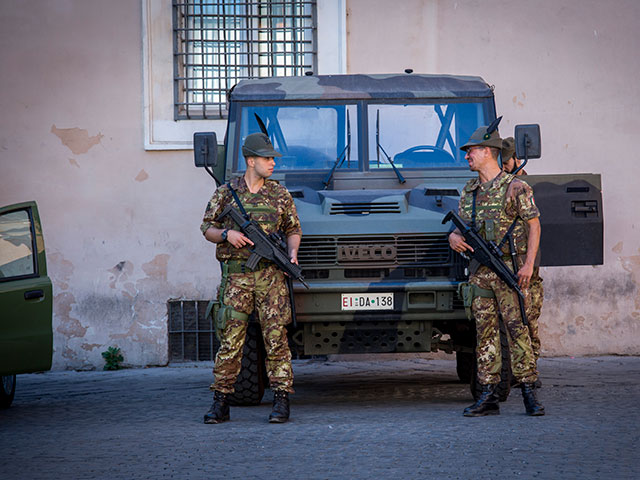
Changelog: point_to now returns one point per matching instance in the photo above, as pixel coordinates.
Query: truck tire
(504, 387)
(7, 390)
(250, 384)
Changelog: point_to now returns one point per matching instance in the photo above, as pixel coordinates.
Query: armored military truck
(373, 164)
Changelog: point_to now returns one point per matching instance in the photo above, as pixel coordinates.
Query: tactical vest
(491, 218)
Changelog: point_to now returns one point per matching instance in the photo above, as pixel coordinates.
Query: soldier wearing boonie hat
(262, 290)
(536, 290)
(509, 160)
(259, 145)
(497, 204)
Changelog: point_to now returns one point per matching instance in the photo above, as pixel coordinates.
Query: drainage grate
(191, 336)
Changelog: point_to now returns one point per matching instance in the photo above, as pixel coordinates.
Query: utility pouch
(489, 230)
(212, 312)
(468, 292)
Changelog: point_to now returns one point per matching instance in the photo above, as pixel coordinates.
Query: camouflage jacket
(498, 203)
(272, 207)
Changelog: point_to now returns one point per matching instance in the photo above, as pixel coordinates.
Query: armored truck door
(571, 217)
(26, 337)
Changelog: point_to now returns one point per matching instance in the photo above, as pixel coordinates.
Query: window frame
(34, 245)
(161, 131)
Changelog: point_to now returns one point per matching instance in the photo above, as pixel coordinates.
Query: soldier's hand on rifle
(524, 275)
(457, 243)
(238, 239)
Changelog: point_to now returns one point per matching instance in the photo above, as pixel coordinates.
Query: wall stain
(120, 273)
(70, 327)
(73, 161)
(76, 139)
(90, 346)
(156, 269)
(61, 270)
(142, 176)
(617, 248)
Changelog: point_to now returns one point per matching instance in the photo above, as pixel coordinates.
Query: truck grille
(378, 251)
(364, 208)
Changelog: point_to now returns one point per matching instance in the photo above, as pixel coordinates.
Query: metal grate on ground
(217, 43)
(191, 335)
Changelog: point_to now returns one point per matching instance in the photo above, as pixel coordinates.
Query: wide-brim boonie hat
(508, 148)
(259, 145)
(481, 138)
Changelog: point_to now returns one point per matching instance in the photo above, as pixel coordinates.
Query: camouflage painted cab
(373, 163)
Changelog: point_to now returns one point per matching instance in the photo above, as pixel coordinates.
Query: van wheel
(7, 390)
(250, 384)
(504, 387)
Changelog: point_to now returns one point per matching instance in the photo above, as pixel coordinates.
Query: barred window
(217, 43)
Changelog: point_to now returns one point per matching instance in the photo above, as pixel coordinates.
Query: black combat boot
(487, 404)
(280, 413)
(534, 408)
(219, 411)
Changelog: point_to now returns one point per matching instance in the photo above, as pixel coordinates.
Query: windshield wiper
(379, 147)
(346, 153)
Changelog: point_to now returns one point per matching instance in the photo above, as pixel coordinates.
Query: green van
(26, 336)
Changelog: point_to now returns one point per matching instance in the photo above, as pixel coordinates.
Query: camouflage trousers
(265, 292)
(534, 307)
(488, 351)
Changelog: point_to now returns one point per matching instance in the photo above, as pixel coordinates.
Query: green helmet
(508, 148)
(486, 136)
(259, 145)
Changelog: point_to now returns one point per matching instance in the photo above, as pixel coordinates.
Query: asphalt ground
(350, 419)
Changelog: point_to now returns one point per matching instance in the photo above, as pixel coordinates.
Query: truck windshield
(309, 137)
(421, 136)
(325, 137)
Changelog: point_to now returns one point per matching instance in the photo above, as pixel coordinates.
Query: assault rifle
(263, 246)
(489, 255)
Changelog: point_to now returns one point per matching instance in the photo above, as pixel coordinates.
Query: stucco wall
(121, 223)
(570, 66)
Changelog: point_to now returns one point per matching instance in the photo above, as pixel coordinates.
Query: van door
(26, 336)
(571, 216)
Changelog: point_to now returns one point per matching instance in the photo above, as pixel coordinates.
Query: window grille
(217, 43)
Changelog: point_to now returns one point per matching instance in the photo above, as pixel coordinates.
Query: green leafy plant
(112, 358)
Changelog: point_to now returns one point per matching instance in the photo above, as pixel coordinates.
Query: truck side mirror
(205, 149)
(528, 141)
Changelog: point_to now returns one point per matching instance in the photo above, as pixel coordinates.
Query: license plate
(367, 301)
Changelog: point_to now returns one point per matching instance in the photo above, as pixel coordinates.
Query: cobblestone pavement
(360, 419)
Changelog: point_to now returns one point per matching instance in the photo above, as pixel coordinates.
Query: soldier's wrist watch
(224, 235)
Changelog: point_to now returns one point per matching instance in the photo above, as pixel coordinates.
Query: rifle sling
(237, 199)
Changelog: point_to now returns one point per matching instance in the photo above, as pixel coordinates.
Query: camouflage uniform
(535, 297)
(263, 290)
(536, 290)
(498, 203)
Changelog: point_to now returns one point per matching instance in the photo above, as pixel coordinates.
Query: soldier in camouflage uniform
(495, 203)
(536, 290)
(264, 289)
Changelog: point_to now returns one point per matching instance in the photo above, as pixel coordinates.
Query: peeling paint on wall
(157, 268)
(76, 139)
(142, 176)
(120, 273)
(618, 248)
(69, 326)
